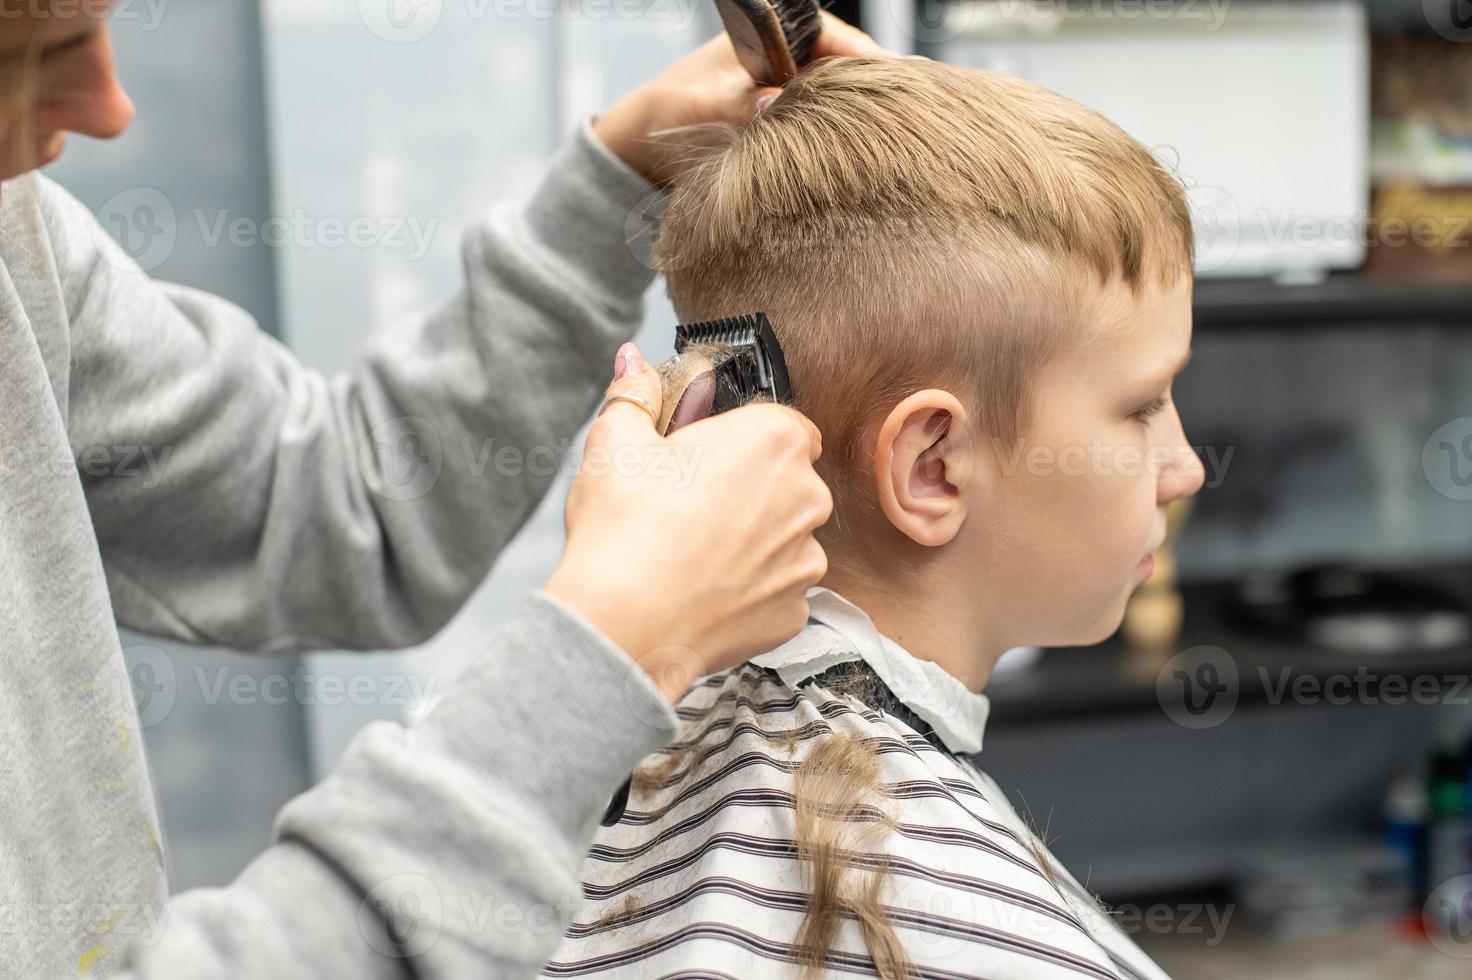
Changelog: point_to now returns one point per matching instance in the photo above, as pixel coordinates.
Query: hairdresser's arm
(453, 849)
(243, 500)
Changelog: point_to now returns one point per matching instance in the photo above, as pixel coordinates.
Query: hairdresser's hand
(694, 552)
(707, 85)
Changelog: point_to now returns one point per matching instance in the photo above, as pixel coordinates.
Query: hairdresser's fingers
(761, 98)
(787, 426)
(842, 38)
(809, 505)
(810, 564)
(814, 437)
(632, 404)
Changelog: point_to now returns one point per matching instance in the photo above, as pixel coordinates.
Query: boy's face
(1078, 506)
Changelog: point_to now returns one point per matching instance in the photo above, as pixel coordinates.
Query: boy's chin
(52, 148)
(1107, 625)
(1084, 634)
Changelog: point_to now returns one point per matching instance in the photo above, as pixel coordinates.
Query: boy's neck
(931, 624)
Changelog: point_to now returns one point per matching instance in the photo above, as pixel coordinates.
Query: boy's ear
(922, 463)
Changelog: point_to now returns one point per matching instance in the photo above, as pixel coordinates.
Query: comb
(773, 38)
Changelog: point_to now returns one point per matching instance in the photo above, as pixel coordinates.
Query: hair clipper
(720, 365)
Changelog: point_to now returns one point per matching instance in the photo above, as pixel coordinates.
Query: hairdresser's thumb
(633, 402)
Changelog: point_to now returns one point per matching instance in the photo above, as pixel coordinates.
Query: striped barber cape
(700, 875)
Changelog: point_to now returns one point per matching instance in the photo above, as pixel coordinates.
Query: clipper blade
(756, 368)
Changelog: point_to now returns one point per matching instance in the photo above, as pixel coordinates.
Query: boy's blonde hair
(909, 224)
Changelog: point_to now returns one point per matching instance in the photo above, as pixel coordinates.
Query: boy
(983, 291)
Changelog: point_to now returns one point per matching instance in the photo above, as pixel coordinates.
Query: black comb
(756, 368)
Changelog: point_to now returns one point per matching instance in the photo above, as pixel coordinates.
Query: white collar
(957, 714)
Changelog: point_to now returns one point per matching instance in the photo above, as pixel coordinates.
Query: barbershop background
(1266, 771)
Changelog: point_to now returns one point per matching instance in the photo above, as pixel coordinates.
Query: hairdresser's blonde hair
(20, 83)
(908, 224)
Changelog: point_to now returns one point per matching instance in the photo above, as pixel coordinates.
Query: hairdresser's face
(1084, 501)
(76, 90)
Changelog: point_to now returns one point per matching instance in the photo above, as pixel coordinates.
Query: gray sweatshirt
(166, 466)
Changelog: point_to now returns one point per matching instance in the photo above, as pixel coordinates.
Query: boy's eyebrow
(66, 44)
(1185, 359)
(1180, 366)
(47, 41)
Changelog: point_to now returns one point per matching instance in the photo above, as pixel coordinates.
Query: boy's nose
(1184, 478)
(81, 93)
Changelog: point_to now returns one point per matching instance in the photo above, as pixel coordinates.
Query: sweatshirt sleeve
(245, 501)
(451, 849)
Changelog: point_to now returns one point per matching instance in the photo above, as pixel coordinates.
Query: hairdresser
(449, 849)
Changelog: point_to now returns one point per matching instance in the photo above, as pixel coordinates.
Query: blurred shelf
(1372, 951)
(1068, 684)
(1341, 299)
(1399, 16)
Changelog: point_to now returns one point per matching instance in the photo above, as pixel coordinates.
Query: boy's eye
(1151, 409)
